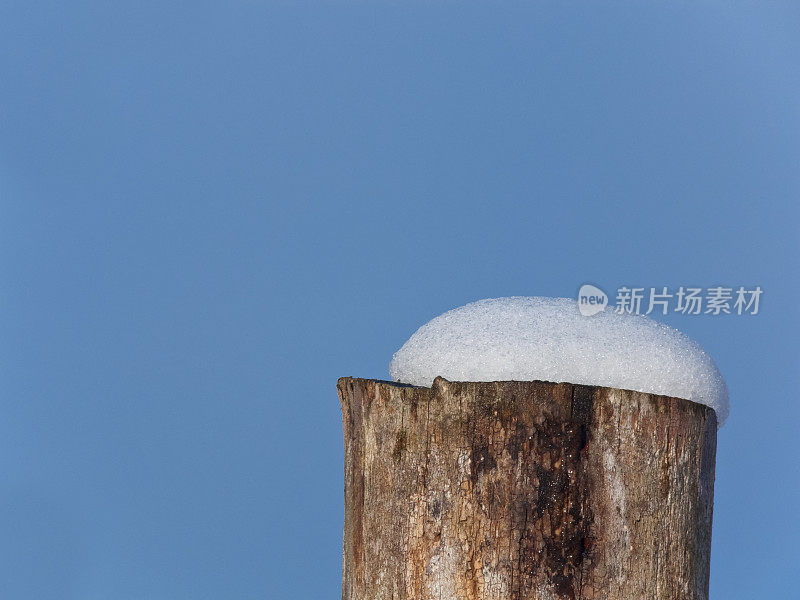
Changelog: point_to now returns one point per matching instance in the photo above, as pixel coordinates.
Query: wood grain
(524, 490)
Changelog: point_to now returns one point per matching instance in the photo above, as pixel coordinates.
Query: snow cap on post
(533, 338)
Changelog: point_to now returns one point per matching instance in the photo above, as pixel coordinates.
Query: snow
(532, 338)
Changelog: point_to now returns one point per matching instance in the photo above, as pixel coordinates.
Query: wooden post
(524, 490)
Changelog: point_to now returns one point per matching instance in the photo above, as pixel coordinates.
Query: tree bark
(524, 490)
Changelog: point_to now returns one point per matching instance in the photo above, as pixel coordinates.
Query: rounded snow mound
(531, 338)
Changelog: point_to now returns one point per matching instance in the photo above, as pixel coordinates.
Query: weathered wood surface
(524, 490)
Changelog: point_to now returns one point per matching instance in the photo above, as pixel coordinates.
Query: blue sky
(211, 211)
